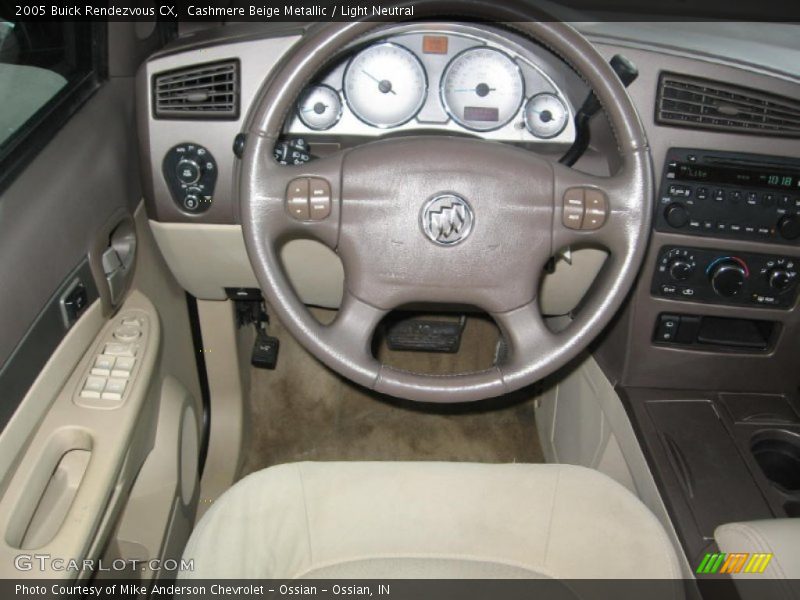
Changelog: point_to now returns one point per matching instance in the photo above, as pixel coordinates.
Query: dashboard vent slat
(208, 91)
(687, 101)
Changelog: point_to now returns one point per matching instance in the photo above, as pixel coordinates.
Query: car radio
(730, 195)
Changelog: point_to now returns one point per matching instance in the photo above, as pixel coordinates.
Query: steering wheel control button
(297, 199)
(574, 208)
(319, 198)
(446, 219)
(596, 209)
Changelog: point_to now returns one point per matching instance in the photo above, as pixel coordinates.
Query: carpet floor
(304, 411)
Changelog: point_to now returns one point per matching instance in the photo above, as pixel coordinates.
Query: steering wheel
(443, 219)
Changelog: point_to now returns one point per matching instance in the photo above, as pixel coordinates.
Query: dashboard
(451, 80)
(726, 236)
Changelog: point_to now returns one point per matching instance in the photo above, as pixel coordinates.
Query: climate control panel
(714, 276)
(191, 174)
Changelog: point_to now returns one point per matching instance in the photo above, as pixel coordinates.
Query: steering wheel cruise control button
(297, 199)
(319, 198)
(309, 199)
(574, 208)
(596, 211)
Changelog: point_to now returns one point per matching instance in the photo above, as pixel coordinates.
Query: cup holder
(777, 452)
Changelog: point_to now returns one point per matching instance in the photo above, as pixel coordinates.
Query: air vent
(208, 91)
(703, 104)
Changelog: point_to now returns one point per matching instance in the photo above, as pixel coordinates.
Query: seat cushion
(437, 520)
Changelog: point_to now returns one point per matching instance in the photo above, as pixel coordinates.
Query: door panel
(79, 464)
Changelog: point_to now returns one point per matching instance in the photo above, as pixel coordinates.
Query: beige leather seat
(421, 520)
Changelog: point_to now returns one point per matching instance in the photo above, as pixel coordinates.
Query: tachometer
(546, 115)
(320, 107)
(482, 89)
(385, 85)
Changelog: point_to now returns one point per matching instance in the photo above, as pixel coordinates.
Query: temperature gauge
(320, 107)
(546, 115)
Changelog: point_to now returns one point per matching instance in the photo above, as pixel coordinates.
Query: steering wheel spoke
(594, 211)
(297, 201)
(351, 332)
(527, 337)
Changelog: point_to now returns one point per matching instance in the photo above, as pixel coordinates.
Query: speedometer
(385, 85)
(482, 89)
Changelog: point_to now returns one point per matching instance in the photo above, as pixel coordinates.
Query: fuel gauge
(546, 115)
(320, 107)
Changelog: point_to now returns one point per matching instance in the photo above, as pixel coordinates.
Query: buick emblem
(446, 219)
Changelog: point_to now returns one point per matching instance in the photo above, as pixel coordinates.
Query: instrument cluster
(437, 80)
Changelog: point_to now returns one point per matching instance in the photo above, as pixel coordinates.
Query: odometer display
(481, 113)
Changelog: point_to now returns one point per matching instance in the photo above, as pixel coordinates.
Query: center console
(728, 198)
(711, 353)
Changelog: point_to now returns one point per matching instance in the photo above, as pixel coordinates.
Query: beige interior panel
(160, 509)
(117, 437)
(206, 259)
(17, 434)
(573, 276)
(581, 420)
(227, 351)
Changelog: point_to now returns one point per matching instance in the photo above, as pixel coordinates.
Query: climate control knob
(680, 269)
(727, 276)
(780, 280)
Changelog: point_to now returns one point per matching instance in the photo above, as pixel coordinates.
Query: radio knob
(188, 171)
(681, 270)
(727, 276)
(780, 280)
(789, 227)
(676, 215)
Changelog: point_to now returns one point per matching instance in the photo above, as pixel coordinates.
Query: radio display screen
(745, 177)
